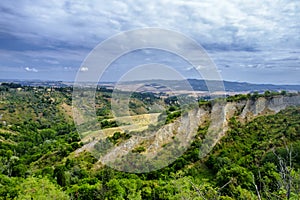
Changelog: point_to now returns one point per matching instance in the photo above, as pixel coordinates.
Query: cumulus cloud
(86, 22)
(84, 69)
(28, 69)
(68, 69)
(234, 32)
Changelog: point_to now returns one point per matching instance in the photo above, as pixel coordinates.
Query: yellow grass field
(136, 123)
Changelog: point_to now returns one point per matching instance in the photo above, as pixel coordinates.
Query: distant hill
(201, 85)
(196, 84)
(243, 86)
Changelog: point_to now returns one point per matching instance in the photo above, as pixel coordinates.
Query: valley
(223, 148)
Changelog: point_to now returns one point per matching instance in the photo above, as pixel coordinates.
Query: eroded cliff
(170, 141)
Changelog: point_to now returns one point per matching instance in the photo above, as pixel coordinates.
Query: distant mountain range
(195, 84)
(243, 86)
(201, 85)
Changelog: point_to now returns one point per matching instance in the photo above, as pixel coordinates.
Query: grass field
(135, 123)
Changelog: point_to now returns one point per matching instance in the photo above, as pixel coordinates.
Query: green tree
(39, 188)
(59, 174)
(115, 190)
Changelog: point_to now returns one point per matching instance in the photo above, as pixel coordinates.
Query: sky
(256, 41)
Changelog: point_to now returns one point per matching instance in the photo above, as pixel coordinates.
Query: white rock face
(273, 104)
(171, 140)
(245, 110)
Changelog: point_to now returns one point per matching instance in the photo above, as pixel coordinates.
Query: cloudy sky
(254, 41)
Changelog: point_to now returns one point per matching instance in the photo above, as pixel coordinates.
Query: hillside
(196, 84)
(255, 140)
(201, 85)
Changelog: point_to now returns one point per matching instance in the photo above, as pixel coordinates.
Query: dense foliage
(257, 159)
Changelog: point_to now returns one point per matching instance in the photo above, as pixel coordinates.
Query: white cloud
(68, 69)
(66, 30)
(210, 21)
(65, 18)
(84, 69)
(28, 69)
